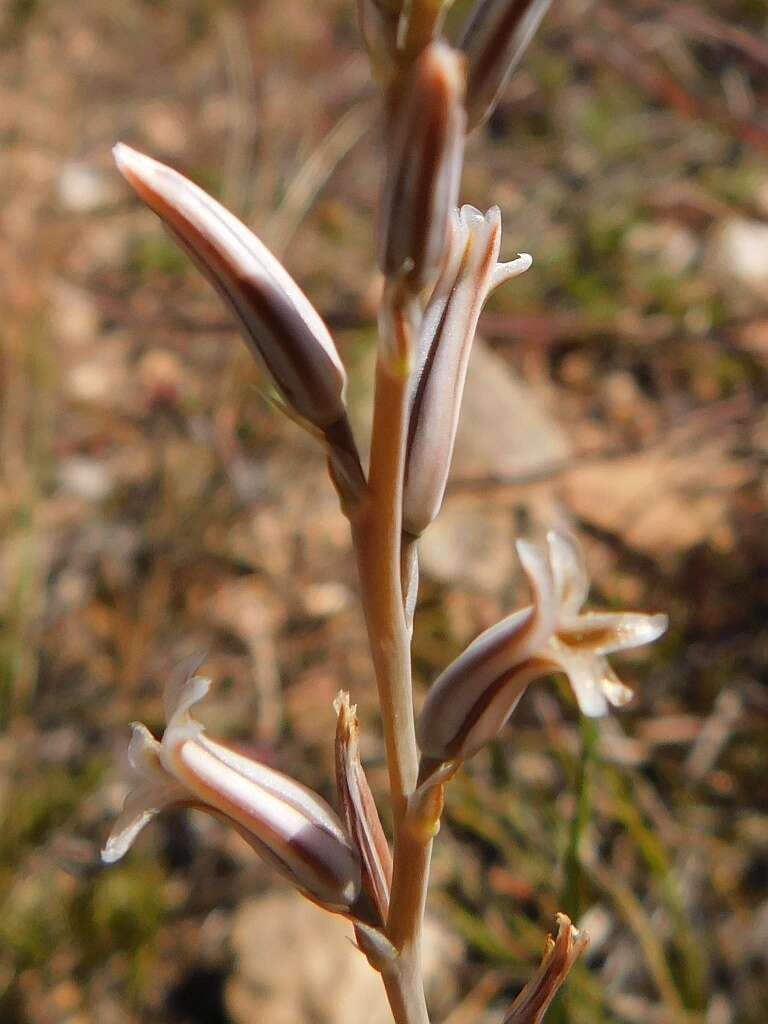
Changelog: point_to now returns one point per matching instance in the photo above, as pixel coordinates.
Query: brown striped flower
(286, 823)
(470, 273)
(495, 38)
(469, 703)
(284, 332)
(426, 152)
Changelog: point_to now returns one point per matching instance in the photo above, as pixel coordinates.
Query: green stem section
(571, 900)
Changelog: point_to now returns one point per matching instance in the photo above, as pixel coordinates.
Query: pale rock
(83, 188)
(505, 431)
(505, 435)
(737, 257)
(295, 962)
(85, 478)
(672, 247)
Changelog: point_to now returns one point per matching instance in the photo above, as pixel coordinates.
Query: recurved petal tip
(560, 955)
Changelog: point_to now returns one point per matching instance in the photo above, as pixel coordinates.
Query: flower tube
(286, 823)
(469, 703)
(470, 273)
(284, 332)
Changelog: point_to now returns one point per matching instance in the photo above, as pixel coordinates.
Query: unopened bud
(424, 163)
(495, 38)
(469, 273)
(284, 332)
(359, 809)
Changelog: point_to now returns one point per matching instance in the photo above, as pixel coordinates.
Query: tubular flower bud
(421, 185)
(359, 809)
(284, 332)
(472, 699)
(496, 35)
(560, 955)
(286, 823)
(470, 273)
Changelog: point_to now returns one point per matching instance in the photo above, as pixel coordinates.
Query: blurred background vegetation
(153, 505)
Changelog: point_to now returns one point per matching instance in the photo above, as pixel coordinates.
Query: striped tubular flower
(426, 154)
(495, 37)
(470, 702)
(284, 332)
(470, 273)
(286, 823)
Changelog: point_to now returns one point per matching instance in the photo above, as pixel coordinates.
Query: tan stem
(377, 532)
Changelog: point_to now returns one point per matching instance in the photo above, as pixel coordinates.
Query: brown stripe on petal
(312, 858)
(284, 332)
(282, 343)
(424, 166)
(494, 39)
(488, 714)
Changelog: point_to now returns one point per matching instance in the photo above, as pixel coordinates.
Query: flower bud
(284, 332)
(424, 163)
(470, 702)
(286, 823)
(359, 809)
(469, 274)
(496, 35)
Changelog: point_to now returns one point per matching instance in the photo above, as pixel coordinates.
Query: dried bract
(470, 272)
(496, 36)
(359, 809)
(284, 332)
(472, 699)
(286, 823)
(424, 164)
(560, 955)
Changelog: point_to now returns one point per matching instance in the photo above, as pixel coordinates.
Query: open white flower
(286, 823)
(472, 699)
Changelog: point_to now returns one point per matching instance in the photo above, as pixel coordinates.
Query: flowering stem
(376, 530)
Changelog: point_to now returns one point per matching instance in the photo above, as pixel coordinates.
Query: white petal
(141, 806)
(587, 674)
(606, 632)
(181, 726)
(144, 753)
(618, 693)
(506, 271)
(569, 569)
(538, 571)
